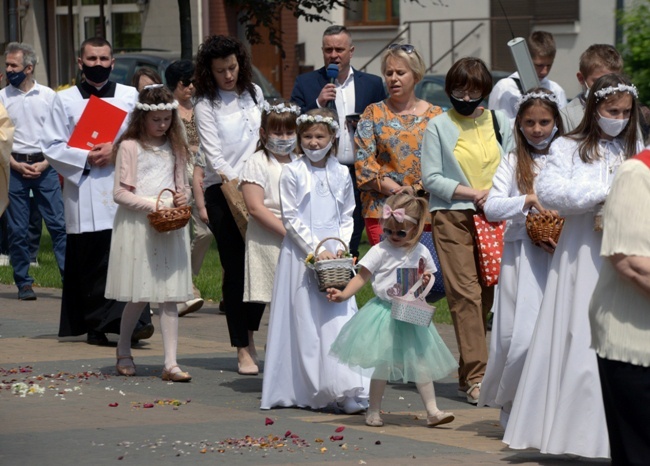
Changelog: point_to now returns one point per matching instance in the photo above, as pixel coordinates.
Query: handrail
(453, 46)
(406, 29)
(431, 22)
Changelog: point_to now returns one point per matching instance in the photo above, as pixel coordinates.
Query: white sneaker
(190, 306)
(4, 260)
(34, 264)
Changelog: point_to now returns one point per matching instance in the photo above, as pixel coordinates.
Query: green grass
(208, 281)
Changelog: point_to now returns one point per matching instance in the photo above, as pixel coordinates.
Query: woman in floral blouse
(389, 136)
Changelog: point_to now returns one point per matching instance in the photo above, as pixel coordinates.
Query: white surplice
(88, 198)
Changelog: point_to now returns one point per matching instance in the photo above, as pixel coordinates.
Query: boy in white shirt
(507, 92)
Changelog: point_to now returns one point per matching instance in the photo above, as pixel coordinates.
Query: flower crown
(154, 107)
(605, 91)
(536, 95)
(280, 108)
(319, 119)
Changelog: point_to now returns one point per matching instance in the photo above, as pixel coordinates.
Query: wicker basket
(542, 227)
(411, 309)
(333, 273)
(169, 219)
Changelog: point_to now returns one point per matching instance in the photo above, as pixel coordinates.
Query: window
(372, 12)
(524, 16)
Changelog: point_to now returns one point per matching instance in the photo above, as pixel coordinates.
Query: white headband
(605, 91)
(536, 95)
(280, 108)
(155, 107)
(319, 119)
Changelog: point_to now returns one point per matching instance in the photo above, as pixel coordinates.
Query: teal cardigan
(441, 172)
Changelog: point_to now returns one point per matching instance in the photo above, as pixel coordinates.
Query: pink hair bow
(398, 214)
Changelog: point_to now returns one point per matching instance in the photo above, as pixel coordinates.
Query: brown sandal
(127, 371)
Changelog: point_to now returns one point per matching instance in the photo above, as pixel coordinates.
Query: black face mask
(464, 107)
(96, 74)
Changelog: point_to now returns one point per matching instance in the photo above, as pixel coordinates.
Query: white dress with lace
(262, 245)
(524, 268)
(558, 407)
(145, 265)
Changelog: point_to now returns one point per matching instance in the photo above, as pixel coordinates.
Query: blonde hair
(414, 207)
(306, 124)
(413, 60)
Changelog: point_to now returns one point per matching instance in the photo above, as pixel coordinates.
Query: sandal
(179, 376)
(468, 393)
(373, 419)
(127, 371)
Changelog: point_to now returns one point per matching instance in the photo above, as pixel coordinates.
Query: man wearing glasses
(348, 92)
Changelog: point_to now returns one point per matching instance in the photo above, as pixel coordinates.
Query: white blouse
(228, 131)
(573, 187)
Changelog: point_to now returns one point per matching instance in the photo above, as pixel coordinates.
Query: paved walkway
(88, 415)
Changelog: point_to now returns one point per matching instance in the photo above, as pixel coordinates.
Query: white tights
(426, 390)
(168, 327)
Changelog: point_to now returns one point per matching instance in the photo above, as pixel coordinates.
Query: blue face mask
(15, 78)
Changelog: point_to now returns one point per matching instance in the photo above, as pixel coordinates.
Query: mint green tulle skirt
(398, 351)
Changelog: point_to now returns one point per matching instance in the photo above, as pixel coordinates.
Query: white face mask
(612, 126)
(543, 144)
(316, 155)
(280, 146)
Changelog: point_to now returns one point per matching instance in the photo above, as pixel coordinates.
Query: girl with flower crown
(317, 202)
(558, 407)
(524, 266)
(146, 266)
(260, 187)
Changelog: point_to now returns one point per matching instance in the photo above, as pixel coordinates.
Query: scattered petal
(339, 429)
(378, 442)
(323, 450)
(319, 440)
(113, 405)
(287, 434)
(147, 405)
(336, 438)
(269, 422)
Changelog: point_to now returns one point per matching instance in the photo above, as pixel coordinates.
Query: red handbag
(489, 239)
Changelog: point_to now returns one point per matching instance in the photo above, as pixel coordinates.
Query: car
(126, 64)
(432, 88)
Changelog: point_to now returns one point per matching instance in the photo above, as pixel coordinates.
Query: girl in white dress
(317, 202)
(260, 186)
(146, 266)
(558, 407)
(524, 266)
(396, 351)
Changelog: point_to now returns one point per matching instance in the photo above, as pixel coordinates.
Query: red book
(100, 122)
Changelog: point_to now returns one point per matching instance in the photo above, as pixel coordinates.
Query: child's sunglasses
(408, 48)
(398, 233)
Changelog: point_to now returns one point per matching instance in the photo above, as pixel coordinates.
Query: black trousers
(241, 316)
(626, 394)
(83, 306)
(357, 216)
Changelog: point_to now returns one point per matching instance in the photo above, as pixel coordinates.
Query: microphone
(332, 73)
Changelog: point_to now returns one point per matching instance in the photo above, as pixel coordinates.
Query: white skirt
(262, 252)
(147, 266)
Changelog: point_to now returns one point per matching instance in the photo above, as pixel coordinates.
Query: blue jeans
(47, 193)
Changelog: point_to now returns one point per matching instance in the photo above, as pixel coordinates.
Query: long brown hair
(588, 133)
(415, 207)
(525, 165)
(137, 130)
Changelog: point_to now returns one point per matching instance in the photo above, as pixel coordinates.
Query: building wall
(597, 25)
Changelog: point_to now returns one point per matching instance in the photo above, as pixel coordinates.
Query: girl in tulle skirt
(398, 351)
